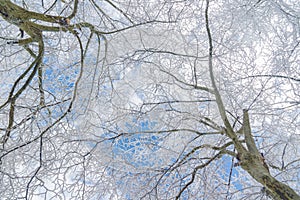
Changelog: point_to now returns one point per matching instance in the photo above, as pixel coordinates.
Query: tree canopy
(116, 99)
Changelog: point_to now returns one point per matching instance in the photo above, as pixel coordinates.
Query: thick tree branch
(13, 97)
(248, 136)
(229, 130)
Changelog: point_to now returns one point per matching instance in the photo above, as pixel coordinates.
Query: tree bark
(256, 167)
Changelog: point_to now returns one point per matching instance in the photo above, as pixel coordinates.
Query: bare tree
(149, 99)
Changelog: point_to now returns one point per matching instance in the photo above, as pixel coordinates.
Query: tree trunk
(256, 167)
